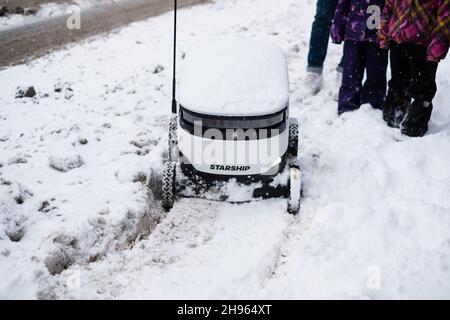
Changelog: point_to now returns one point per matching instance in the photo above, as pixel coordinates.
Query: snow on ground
(48, 10)
(375, 218)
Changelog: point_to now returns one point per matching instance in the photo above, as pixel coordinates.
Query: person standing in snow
(417, 33)
(318, 45)
(361, 53)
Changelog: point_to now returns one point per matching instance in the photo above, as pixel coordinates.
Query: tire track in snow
(201, 249)
(176, 233)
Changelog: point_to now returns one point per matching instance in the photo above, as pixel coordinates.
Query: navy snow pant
(320, 34)
(360, 57)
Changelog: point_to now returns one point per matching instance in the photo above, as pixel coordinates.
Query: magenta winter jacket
(423, 22)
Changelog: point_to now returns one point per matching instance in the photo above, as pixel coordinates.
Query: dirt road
(32, 40)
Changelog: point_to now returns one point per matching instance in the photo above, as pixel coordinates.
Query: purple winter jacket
(351, 21)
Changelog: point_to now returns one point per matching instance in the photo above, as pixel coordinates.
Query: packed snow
(375, 216)
(234, 77)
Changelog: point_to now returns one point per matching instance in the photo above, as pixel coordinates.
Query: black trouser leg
(397, 100)
(400, 75)
(423, 74)
(422, 89)
(412, 75)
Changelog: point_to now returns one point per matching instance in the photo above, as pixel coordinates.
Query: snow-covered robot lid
(234, 78)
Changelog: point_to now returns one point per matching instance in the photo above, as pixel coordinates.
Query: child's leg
(400, 76)
(374, 89)
(423, 74)
(320, 34)
(353, 73)
(422, 90)
(397, 101)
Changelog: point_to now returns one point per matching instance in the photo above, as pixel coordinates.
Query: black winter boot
(417, 118)
(394, 110)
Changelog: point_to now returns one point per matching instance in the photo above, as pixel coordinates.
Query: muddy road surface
(31, 40)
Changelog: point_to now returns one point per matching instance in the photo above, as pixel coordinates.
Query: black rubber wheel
(168, 185)
(295, 190)
(293, 137)
(173, 138)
